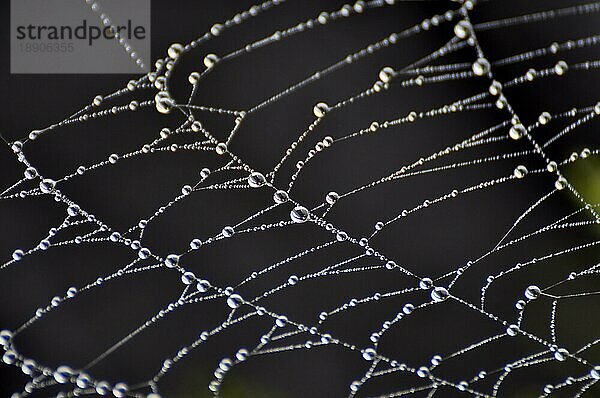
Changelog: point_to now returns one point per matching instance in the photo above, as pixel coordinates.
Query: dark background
(439, 240)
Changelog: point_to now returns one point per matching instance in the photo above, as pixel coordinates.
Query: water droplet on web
(299, 214)
(256, 180)
(234, 301)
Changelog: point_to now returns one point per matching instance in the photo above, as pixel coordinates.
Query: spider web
(530, 288)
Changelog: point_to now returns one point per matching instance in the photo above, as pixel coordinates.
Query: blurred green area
(585, 177)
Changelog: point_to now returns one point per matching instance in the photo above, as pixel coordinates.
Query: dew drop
(234, 301)
(299, 214)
